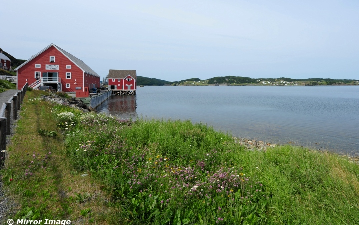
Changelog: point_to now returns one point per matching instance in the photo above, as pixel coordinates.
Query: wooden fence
(8, 112)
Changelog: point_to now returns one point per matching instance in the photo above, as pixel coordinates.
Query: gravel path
(5, 202)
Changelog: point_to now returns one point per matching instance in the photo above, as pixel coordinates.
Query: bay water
(319, 117)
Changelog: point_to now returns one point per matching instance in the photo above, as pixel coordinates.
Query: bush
(7, 85)
(63, 94)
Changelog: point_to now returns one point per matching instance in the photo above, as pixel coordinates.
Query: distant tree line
(231, 80)
(146, 81)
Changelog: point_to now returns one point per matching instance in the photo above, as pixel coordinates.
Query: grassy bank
(5, 85)
(92, 168)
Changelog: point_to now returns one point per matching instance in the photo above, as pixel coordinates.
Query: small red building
(55, 67)
(5, 62)
(122, 81)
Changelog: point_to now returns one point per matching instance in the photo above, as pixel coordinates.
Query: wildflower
(194, 188)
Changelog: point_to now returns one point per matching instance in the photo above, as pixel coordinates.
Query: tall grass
(178, 172)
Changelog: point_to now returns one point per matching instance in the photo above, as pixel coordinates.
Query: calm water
(318, 117)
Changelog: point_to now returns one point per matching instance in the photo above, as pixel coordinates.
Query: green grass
(166, 172)
(5, 85)
(39, 177)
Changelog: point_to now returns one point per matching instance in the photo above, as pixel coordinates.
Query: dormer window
(52, 58)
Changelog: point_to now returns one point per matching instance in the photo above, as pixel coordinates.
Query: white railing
(36, 84)
(51, 79)
(12, 79)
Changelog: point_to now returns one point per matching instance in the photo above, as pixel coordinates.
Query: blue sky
(175, 40)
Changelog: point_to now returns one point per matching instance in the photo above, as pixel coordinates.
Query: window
(68, 75)
(67, 85)
(52, 58)
(113, 80)
(37, 75)
(128, 79)
(37, 65)
(68, 66)
(118, 80)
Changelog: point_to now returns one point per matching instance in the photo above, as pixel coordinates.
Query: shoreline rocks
(254, 144)
(73, 102)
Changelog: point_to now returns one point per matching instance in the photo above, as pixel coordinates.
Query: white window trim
(68, 66)
(37, 65)
(68, 73)
(67, 85)
(54, 58)
(37, 72)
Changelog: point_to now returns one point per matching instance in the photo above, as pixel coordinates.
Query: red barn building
(5, 62)
(122, 81)
(55, 67)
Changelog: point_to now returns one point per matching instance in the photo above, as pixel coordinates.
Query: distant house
(5, 62)
(55, 67)
(122, 81)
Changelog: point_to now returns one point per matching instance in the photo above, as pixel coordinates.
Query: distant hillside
(150, 81)
(14, 62)
(282, 81)
(231, 80)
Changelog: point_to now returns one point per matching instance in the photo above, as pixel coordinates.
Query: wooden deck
(123, 92)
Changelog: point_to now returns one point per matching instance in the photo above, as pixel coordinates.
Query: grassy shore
(91, 168)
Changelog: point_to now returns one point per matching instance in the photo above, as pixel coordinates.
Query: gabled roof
(3, 56)
(121, 73)
(72, 58)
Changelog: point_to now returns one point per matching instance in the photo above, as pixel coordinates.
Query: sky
(176, 40)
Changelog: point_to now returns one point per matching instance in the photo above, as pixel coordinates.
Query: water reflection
(123, 107)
